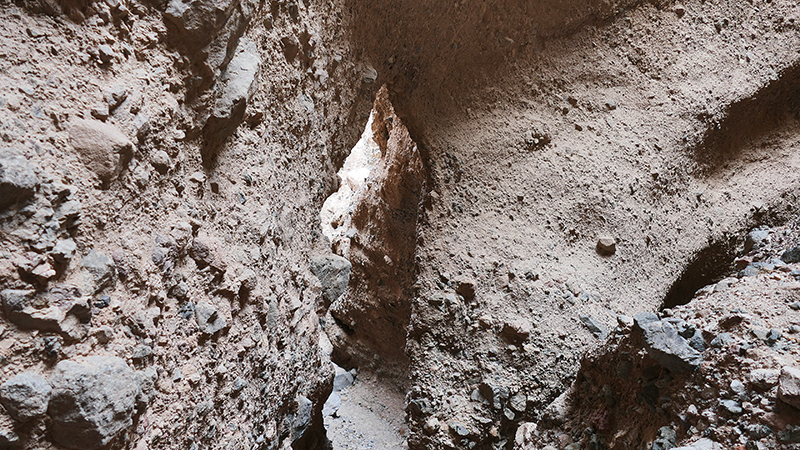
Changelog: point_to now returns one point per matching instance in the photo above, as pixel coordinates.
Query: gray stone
(64, 250)
(106, 54)
(789, 386)
(644, 318)
(102, 147)
(702, 444)
(25, 396)
(302, 417)
(92, 402)
(738, 387)
(341, 379)
(755, 240)
(207, 251)
(332, 405)
(667, 347)
(792, 255)
(731, 406)
(496, 395)
(232, 92)
(665, 440)
(100, 112)
(19, 308)
(333, 272)
(459, 429)
(198, 22)
(116, 96)
(432, 426)
(18, 180)
(98, 271)
(722, 340)
(596, 328)
(518, 402)
(208, 318)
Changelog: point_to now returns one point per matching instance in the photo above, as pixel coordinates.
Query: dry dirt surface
(545, 168)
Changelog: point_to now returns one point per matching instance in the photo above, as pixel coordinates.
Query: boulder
(666, 346)
(102, 147)
(18, 181)
(91, 402)
(333, 272)
(25, 396)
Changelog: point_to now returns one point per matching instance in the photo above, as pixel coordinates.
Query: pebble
(596, 328)
(432, 426)
(731, 406)
(665, 345)
(517, 330)
(333, 272)
(606, 245)
(97, 270)
(106, 54)
(64, 250)
(791, 256)
(161, 161)
(459, 429)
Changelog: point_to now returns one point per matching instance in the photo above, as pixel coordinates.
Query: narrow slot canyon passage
(370, 223)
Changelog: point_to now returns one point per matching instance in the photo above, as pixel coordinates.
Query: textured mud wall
(161, 171)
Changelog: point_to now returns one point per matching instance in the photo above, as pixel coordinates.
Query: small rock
(302, 417)
(466, 289)
(595, 327)
(98, 271)
(370, 75)
(791, 256)
(432, 426)
(91, 402)
(18, 180)
(333, 272)
(722, 340)
(517, 330)
(459, 429)
(332, 405)
(100, 112)
(342, 379)
(208, 318)
(789, 386)
(161, 161)
(665, 345)
(731, 406)
(625, 322)
(239, 384)
(64, 250)
(518, 402)
(104, 334)
(795, 306)
(755, 240)
(606, 245)
(738, 387)
(102, 147)
(25, 396)
(666, 439)
(680, 10)
(106, 54)
(116, 96)
(207, 251)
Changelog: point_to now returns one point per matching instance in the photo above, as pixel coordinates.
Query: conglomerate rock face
(545, 167)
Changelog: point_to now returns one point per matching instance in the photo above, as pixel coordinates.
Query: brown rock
(606, 245)
(102, 147)
(517, 330)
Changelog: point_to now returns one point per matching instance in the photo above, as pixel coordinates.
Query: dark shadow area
(749, 119)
